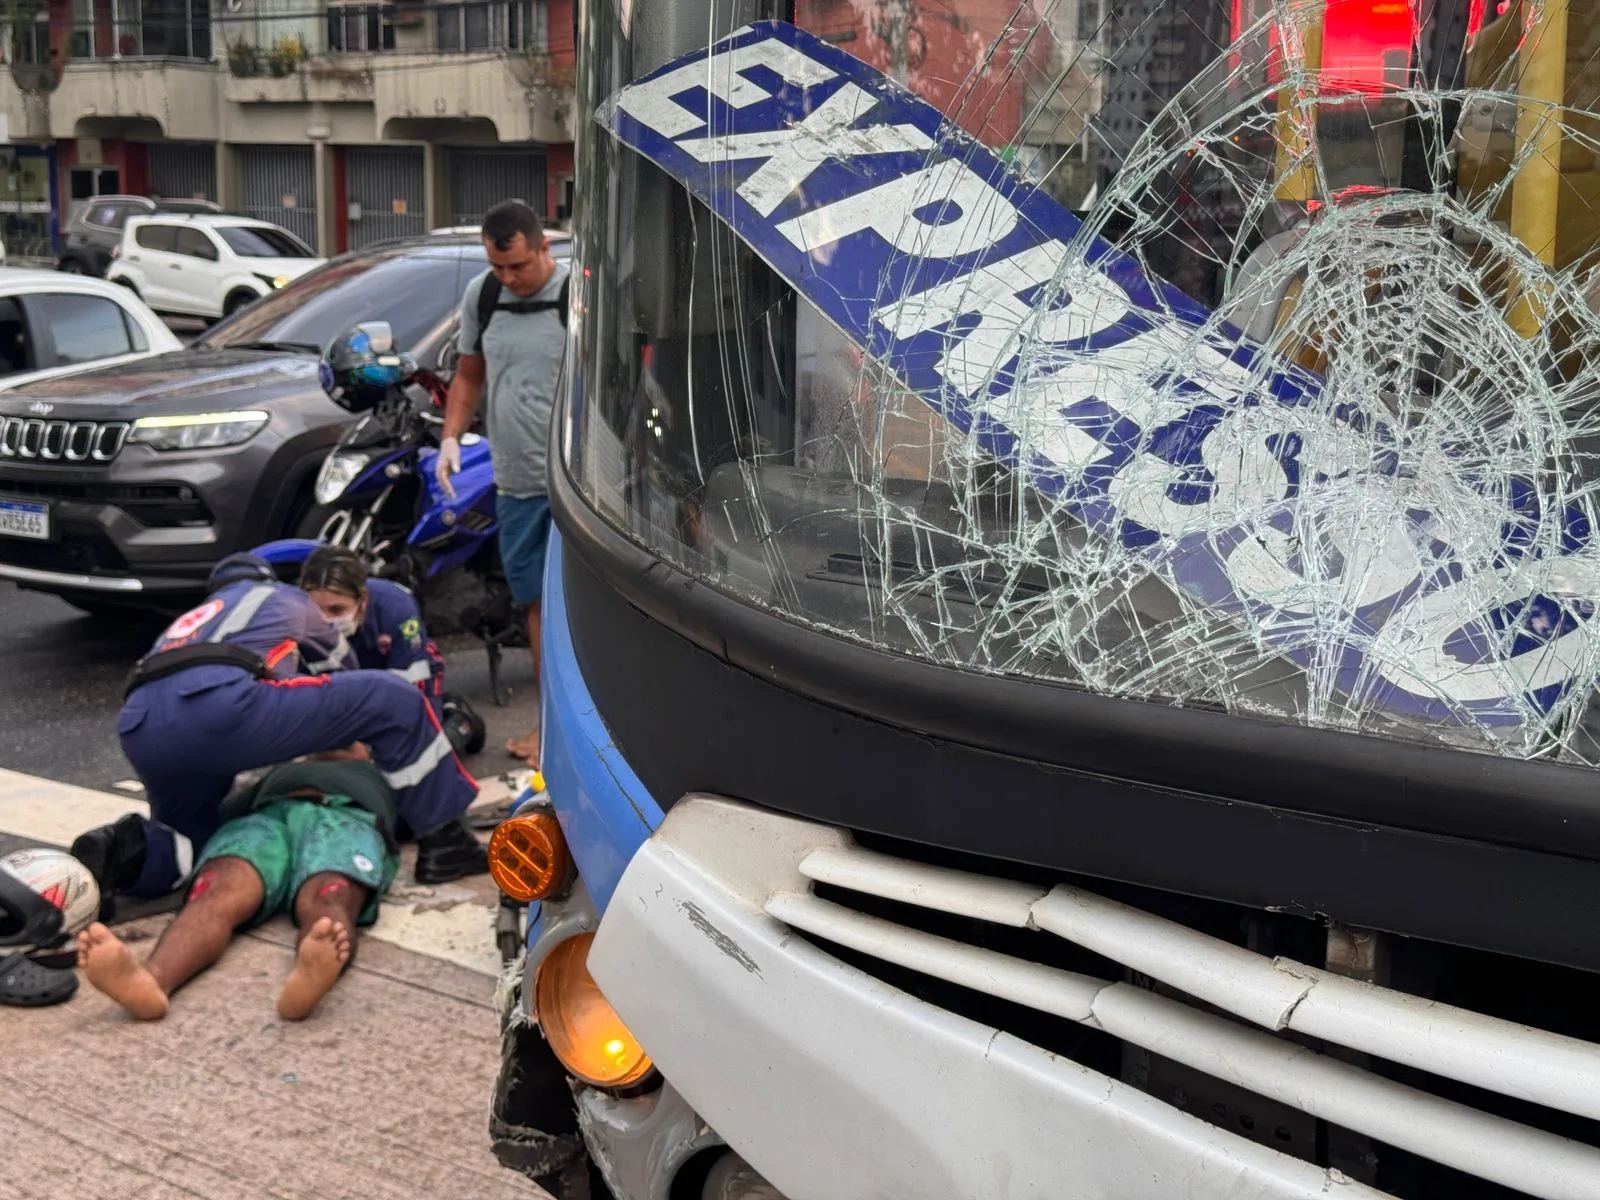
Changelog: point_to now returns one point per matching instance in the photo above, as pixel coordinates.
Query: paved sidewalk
(382, 1095)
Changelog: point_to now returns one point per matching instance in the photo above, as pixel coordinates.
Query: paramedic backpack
(489, 304)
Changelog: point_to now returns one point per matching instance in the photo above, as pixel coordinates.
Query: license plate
(25, 519)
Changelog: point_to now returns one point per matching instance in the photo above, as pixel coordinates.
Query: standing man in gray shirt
(510, 362)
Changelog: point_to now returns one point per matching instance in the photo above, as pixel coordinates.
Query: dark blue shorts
(524, 534)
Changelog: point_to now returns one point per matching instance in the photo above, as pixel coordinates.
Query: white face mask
(347, 624)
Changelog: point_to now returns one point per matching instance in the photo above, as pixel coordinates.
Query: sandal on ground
(26, 984)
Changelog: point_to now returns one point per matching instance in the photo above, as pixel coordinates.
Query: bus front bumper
(837, 1086)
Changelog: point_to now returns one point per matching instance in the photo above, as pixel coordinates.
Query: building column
(436, 178)
(230, 185)
(322, 156)
(430, 190)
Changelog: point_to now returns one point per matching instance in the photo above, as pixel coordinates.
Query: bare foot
(112, 969)
(527, 749)
(322, 955)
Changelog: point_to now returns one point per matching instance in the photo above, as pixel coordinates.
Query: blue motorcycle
(389, 508)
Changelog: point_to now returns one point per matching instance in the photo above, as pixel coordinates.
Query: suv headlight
(197, 431)
(338, 472)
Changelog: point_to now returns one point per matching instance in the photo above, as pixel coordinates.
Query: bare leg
(326, 908)
(225, 894)
(527, 748)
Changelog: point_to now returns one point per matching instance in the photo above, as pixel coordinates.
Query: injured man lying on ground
(314, 839)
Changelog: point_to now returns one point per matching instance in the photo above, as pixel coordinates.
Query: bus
(1070, 647)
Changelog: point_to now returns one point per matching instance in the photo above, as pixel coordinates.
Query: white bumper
(837, 1087)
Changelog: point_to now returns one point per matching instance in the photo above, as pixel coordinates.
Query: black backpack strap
(489, 304)
(488, 301)
(196, 654)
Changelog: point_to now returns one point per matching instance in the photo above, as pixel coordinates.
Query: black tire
(71, 266)
(103, 610)
(113, 620)
(237, 301)
(308, 519)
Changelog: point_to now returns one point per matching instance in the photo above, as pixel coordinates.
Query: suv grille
(162, 505)
(61, 441)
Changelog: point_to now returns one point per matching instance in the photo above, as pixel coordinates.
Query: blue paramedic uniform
(189, 732)
(392, 639)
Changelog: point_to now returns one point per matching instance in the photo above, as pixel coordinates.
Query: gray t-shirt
(522, 358)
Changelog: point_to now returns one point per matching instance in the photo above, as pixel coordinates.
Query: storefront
(28, 201)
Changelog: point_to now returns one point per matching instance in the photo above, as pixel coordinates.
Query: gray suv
(96, 230)
(120, 487)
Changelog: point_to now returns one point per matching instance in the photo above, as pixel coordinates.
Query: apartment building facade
(345, 122)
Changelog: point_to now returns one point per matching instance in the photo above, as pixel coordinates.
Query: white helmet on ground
(46, 896)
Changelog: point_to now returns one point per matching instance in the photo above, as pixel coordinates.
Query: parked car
(211, 448)
(96, 229)
(207, 265)
(52, 324)
(560, 240)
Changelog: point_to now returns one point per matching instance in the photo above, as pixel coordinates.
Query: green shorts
(289, 841)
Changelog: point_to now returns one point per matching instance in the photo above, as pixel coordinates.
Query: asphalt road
(61, 677)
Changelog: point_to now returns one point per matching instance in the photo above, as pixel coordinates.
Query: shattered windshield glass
(1237, 355)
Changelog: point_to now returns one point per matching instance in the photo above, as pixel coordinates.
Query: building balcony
(129, 65)
(25, 106)
(480, 62)
(169, 98)
(514, 93)
(111, 96)
(472, 71)
(317, 81)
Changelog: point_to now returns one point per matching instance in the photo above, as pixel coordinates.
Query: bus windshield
(1238, 356)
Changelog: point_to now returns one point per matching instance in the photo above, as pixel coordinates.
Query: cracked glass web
(1395, 198)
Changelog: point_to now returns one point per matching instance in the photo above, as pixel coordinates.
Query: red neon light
(1475, 18)
(1366, 45)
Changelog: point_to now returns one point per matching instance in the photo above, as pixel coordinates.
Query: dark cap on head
(241, 566)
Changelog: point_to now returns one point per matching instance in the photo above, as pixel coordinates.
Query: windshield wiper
(292, 347)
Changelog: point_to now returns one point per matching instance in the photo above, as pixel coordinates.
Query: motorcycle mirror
(379, 335)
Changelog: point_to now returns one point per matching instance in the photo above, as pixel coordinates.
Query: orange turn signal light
(528, 856)
(578, 1021)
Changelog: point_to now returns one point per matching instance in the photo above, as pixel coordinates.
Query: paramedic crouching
(513, 335)
(241, 682)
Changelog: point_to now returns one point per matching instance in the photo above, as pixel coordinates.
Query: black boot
(114, 855)
(450, 852)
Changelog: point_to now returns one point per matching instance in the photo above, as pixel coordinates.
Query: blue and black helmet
(359, 367)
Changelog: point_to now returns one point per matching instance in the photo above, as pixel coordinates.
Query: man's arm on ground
(466, 394)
